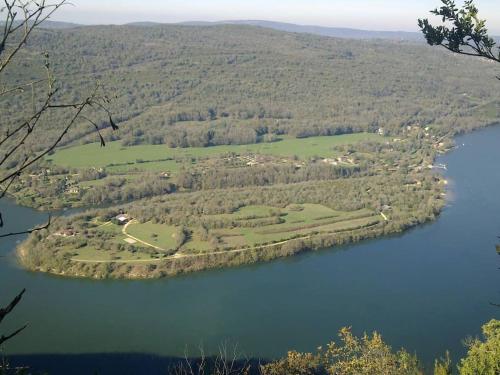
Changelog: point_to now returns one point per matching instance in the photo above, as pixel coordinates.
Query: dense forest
(187, 86)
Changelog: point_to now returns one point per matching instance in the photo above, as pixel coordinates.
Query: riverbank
(176, 265)
(89, 245)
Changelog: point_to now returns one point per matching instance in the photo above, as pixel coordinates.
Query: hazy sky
(364, 14)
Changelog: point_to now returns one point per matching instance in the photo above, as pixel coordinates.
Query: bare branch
(21, 87)
(7, 187)
(81, 107)
(12, 335)
(32, 19)
(37, 229)
(6, 311)
(33, 13)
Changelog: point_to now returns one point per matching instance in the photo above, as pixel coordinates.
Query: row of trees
(263, 175)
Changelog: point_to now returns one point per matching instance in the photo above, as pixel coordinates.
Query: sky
(398, 15)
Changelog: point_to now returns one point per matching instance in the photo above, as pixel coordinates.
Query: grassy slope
(89, 254)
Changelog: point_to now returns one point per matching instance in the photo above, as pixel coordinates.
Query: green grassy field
(110, 228)
(145, 157)
(90, 254)
(159, 235)
(302, 220)
(296, 221)
(312, 218)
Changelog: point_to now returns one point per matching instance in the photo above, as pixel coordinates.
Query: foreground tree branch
(468, 36)
(28, 231)
(23, 17)
(20, 20)
(5, 312)
(462, 32)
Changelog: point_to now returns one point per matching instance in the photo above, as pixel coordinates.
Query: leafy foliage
(467, 33)
(352, 356)
(483, 357)
(370, 355)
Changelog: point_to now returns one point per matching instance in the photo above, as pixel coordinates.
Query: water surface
(425, 290)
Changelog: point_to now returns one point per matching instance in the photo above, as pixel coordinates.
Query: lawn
(91, 254)
(153, 157)
(159, 235)
(196, 246)
(490, 110)
(299, 220)
(109, 227)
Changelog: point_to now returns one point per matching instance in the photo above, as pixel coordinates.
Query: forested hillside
(201, 86)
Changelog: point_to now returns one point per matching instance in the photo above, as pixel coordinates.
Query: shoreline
(148, 268)
(222, 259)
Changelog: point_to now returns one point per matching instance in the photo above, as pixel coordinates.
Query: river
(425, 290)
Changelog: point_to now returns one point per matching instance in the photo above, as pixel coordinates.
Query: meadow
(161, 236)
(118, 158)
(246, 229)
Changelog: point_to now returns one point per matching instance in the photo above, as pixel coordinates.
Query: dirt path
(182, 256)
(116, 261)
(124, 231)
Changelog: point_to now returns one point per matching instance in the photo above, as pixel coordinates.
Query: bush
(352, 356)
(483, 357)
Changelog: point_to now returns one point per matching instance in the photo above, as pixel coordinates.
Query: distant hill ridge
(56, 25)
(337, 32)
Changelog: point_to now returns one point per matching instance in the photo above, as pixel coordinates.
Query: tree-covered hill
(181, 85)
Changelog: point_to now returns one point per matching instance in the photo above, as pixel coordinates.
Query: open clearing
(119, 159)
(248, 228)
(90, 255)
(160, 236)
